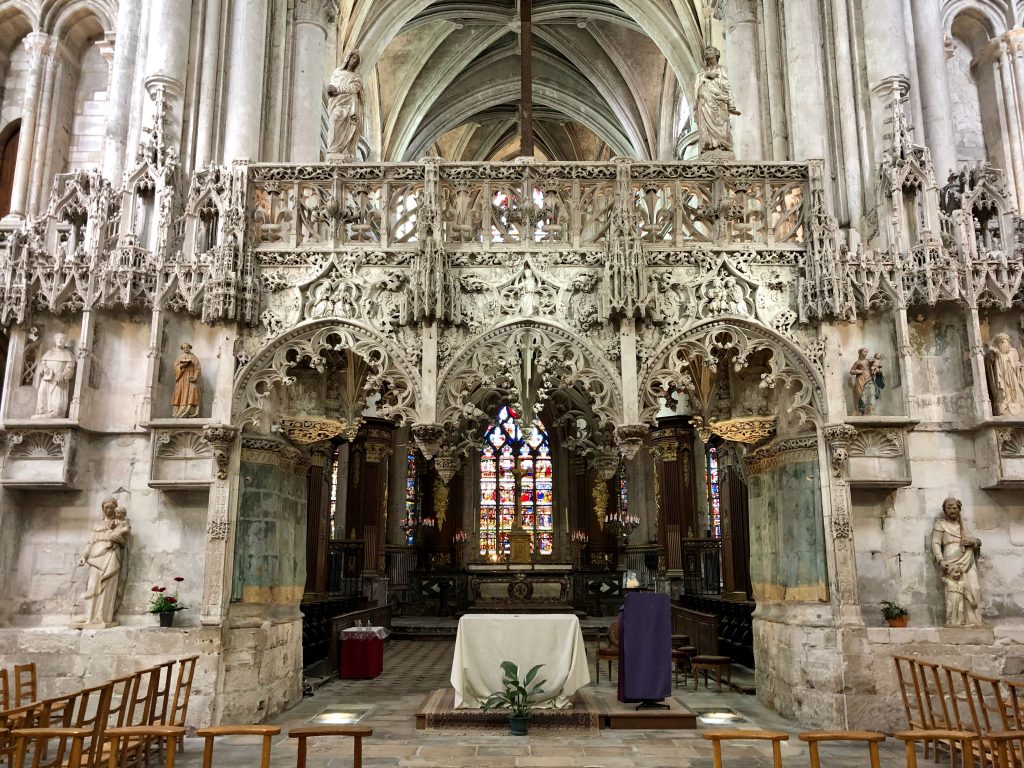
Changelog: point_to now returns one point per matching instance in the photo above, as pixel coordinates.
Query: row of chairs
(70, 746)
(24, 686)
(965, 741)
(154, 697)
(937, 697)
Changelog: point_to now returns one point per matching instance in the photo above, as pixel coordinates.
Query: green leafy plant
(518, 696)
(891, 610)
(161, 602)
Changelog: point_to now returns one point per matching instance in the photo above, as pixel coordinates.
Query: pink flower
(156, 589)
(171, 599)
(162, 589)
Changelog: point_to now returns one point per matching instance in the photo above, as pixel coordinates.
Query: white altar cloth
(485, 640)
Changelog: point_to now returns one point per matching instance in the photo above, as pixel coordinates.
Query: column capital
(320, 12)
(739, 11)
(39, 45)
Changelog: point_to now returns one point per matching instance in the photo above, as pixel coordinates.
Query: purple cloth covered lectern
(645, 647)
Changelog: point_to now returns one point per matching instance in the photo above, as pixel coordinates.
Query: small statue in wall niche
(868, 382)
(105, 556)
(1006, 377)
(345, 90)
(956, 553)
(712, 104)
(54, 374)
(188, 393)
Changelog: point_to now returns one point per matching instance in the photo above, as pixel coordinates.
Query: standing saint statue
(187, 387)
(54, 374)
(104, 556)
(956, 553)
(1006, 377)
(346, 108)
(868, 382)
(712, 104)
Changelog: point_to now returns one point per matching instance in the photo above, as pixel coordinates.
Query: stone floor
(414, 668)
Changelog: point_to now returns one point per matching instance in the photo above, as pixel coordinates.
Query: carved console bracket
(1000, 455)
(39, 458)
(181, 459)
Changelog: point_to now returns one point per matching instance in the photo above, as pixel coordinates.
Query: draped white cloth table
(485, 640)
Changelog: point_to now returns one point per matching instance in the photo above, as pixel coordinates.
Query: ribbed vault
(446, 76)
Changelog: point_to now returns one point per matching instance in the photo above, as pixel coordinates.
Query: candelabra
(621, 525)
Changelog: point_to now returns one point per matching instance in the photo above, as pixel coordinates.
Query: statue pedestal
(93, 624)
(519, 546)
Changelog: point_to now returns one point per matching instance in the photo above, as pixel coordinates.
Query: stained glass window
(506, 446)
(412, 497)
(334, 495)
(714, 498)
(623, 496)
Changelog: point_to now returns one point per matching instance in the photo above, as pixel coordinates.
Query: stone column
(888, 65)
(672, 445)
(311, 20)
(1009, 93)
(367, 500)
(119, 94)
(247, 65)
(805, 81)
(219, 531)
(933, 81)
(209, 86)
(170, 26)
(41, 49)
(735, 523)
(743, 61)
(839, 526)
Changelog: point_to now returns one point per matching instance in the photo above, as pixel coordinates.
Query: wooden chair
(58, 712)
(682, 662)
(93, 712)
(1004, 747)
(871, 738)
(182, 693)
(935, 695)
(67, 753)
(120, 700)
(609, 651)
(988, 713)
(123, 743)
(1015, 715)
(775, 737)
(139, 712)
(5, 689)
(162, 693)
(910, 691)
(705, 664)
(268, 732)
(25, 689)
(965, 740)
(356, 732)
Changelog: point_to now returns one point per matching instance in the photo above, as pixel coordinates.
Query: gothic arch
(667, 369)
(390, 375)
(60, 18)
(564, 359)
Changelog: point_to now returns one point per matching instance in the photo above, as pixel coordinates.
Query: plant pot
(899, 621)
(519, 726)
(167, 618)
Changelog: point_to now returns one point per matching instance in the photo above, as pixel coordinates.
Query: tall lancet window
(505, 447)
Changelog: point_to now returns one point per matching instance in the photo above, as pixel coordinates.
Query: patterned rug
(438, 712)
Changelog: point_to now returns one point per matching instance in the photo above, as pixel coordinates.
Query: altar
(520, 587)
(484, 641)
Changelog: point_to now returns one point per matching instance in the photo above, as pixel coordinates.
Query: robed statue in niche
(345, 90)
(1006, 377)
(712, 104)
(105, 557)
(956, 553)
(868, 382)
(54, 374)
(188, 393)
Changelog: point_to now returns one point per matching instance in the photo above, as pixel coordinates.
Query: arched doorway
(8, 160)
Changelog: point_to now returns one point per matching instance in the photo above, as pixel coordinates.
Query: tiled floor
(414, 668)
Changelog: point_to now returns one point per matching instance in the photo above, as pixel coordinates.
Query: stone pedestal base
(93, 624)
(519, 546)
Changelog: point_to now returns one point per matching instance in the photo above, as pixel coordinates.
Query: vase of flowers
(895, 615)
(165, 605)
(518, 696)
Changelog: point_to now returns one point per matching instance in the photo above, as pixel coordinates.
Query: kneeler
(645, 649)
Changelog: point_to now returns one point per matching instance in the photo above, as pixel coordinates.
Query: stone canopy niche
(325, 401)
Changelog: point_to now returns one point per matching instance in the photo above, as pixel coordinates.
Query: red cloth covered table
(362, 653)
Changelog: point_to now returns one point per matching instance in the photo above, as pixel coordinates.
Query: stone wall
(69, 659)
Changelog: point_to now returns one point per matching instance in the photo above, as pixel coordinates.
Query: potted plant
(164, 605)
(895, 614)
(517, 696)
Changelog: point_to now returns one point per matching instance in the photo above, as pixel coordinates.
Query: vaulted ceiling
(443, 77)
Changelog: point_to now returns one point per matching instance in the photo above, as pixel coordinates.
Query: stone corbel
(220, 437)
(320, 12)
(629, 438)
(447, 464)
(838, 437)
(428, 439)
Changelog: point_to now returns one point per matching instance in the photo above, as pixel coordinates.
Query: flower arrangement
(161, 602)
